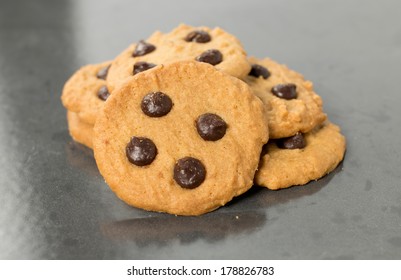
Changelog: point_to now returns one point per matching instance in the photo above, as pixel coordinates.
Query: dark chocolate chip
(211, 127)
(285, 91)
(103, 93)
(141, 151)
(294, 142)
(156, 104)
(198, 36)
(211, 56)
(189, 172)
(141, 66)
(259, 70)
(143, 48)
(102, 73)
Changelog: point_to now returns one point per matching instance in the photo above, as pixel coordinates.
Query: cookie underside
(80, 131)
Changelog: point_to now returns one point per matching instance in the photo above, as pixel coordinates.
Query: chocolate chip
(189, 172)
(103, 93)
(211, 127)
(294, 142)
(198, 36)
(141, 151)
(143, 48)
(102, 73)
(259, 70)
(211, 56)
(285, 91)
(141, 66)
(156, 104)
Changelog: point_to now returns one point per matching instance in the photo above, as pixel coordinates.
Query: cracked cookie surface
(290, 101)
(213, 46)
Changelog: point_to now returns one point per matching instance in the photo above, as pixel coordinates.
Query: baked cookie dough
(213, 46)
(181, 138)
(86, 91)
(290, 101)
(301, 158)
(80, 131)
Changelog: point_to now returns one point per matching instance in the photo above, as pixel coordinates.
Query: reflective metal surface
(55, 205)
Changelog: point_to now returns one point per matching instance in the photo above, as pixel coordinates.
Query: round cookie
(85, 92)
(214, 46)
(80, 131)
(323, 149)
(290, 101)
(148, 147)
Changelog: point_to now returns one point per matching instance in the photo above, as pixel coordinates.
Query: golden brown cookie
(214, 46)
(80, 131)
(299, 159)
(291, 103)
(85, 92)
(181, 138)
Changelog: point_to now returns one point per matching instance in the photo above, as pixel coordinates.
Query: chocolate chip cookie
(301, 158)
(80, 131)
(182, 138)
(290, 101)
(212, 46)
(86, 91)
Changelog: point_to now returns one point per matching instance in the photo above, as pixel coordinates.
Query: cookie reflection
(267, 198)
(164, 229)
(81, 157)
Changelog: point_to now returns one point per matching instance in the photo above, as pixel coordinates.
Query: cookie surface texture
(80, 131)
(294, 106)
(160, 162)
(282, 168)
(86, 90)
(214, 46)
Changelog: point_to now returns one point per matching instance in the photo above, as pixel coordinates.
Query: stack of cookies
(183, 122)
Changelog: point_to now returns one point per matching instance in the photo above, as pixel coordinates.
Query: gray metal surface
(55, 205)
